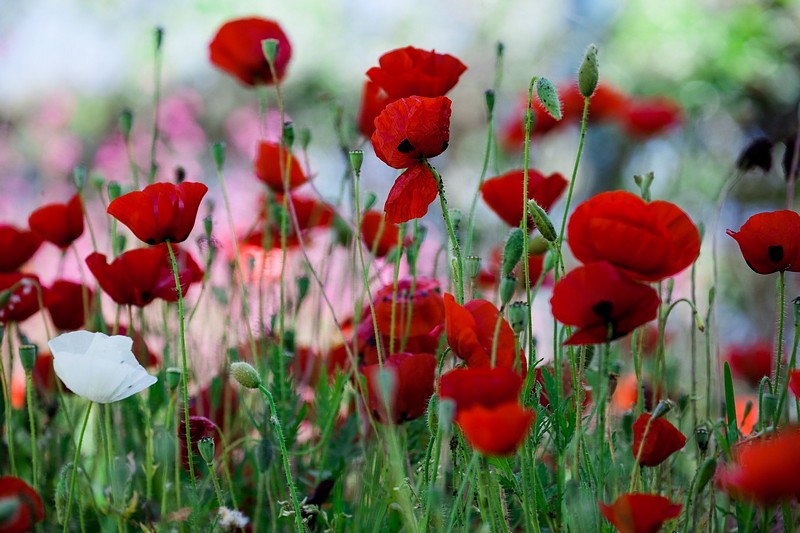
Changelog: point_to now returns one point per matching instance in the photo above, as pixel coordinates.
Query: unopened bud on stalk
(489, 101)
(206, 448)
(518, 316)
(122, 241)
(542, 221)
(288, 134)
(663, 407)
(245, 374)
(159, 37)
(369, 200)
(588, 73)
(644, 182)
(79, 177)
(769, 404)
(303, 284)
(707, 470)
(508, 286)
(126, 123)
(208, 226)
(114, 190)
(702, 437)
(270, 49)
(27, 355)
(548, 96)
(456, 216)
(356, 159)
(218, 151)
(472, 266)
(537, 245)
(305, 138)
(512, 251)
(173, 377)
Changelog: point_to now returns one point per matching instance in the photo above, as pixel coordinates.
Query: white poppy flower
(97, 367)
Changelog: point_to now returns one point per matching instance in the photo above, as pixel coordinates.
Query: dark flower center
(603, 309)
(405, 146)
(775, 253)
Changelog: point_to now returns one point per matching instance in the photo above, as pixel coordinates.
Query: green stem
(298, 519)
(451, 232)
(156, 106)
(7, 399)
(32, 420)
(574, 173)
(75, 466)
(781, 304)
(215, 481)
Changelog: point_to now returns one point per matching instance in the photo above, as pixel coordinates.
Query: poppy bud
(472, 265)
(159, 37)
(173, 377)
(245, 374)
(302, 288)
(369, 200)
(270, 49)
(548, 95)
(342, 231)
(114, 190)
(288, 134)
(588, 72)
(126, 123)
(305, 138)
(27, 355)
(757, 154)
(769, 404)
(518, 316)
(537, 245)
(644, 182)
(702, 437)
(356, 159)
(62, 491)
(208, 226)
(627, 425)
(121, 242)
(218, 151)
(456, 215)
(508, 285)
(707, 470)
(663, 407)
(613, 378)
(542, 221)
(206, 448)
(489, 101)
(512, 252)
(265, 451)
(79, 177)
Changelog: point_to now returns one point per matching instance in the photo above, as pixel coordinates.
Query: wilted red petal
(640, 513)
(18, 246)
(650, 117)
(413, 386)
(497, 431)
(411, 194)
(272, 160)
(487, 387)
(380, 235)
(647, 241)
(661, 440)
(503, 194)
(28, 508)
(60, 224)
(596, 296)
(236, 49)
(770, 242)
(410, 129)
(410, 71)
(425, 305)
(160, 212)
(66, 304)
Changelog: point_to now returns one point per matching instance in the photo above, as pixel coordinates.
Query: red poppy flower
(373, 100)
(23, 301)
(425, 303)
(367, 344)
(765, 470)
(380, 235)
(566, 385)
(160, 212)
(503, 194)
(770, 242)
(751, 363)
(410, 71)
(24, 509)
(411, 129)
(496, 431)
(137, 277)
(60, 224)
(236, 49)
(470, 331)
(272, 160)
(649, 117)
(596, 296)
(661, 440)
(412, 193)
(18, 246)
(647, 241)
(640, 513)
(65, 302)
(487, 387)
(413, 386)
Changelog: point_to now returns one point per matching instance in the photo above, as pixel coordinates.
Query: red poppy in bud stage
(373, 100)
(503, 194)
(647, 241)
(597, 296)
(412, 383)
(751, 363)
(470, 331)
(380, 235)
(640, 513)
(137, 277)
(487, 387)
(60, 224)
(21, 504)
(271, 162)
(496, 431)
(654, 444)
(236, 49)
(160, 212)
(410, 71)
(765, 470)
(19, 297)
(566, 385)
(65, 302)
(770, 242)
(411, 129)
(425, 303)
(16, 247)
(412, 193)
(649, 117)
